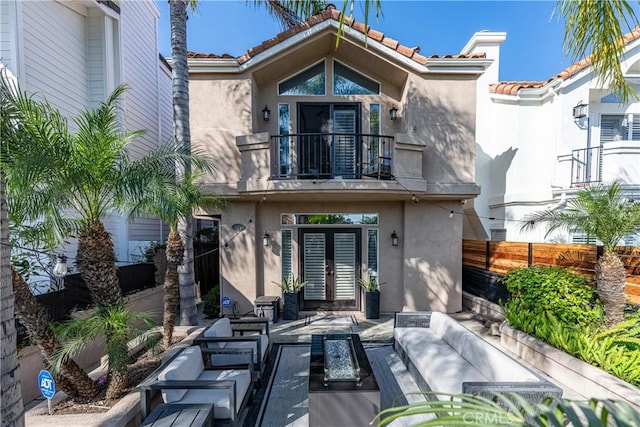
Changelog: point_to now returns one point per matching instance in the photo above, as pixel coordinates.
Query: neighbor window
(347, 81)
(310, 81)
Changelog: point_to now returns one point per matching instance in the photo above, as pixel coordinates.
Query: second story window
(310, 81)
(621, 127)
(347, 81)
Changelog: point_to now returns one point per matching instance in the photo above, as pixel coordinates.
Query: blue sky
(533, 49)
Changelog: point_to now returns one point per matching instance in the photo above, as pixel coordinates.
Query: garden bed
(124, 413)
(588, 379)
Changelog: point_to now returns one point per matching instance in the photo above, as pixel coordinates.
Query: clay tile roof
(332, 13)
(512, 88)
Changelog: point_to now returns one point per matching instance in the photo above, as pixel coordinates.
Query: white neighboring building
(532, 154)
(75, 53)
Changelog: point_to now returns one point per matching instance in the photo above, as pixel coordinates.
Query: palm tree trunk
(96, 263)
(174, 251)
(610, 278)
(117, 383)
(72, 379)
(182, 133)
(12, 409)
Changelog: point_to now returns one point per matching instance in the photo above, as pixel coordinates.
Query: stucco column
(432, 265)
(254, 161)
(408, 155)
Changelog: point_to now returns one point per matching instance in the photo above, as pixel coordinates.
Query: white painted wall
(525, 144)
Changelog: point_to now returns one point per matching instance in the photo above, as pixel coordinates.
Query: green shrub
(556, 290)
(211, 302)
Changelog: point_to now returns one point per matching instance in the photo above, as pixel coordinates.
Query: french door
(330, 264)
(328, 145)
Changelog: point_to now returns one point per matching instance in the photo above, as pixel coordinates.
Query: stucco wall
(422, 273)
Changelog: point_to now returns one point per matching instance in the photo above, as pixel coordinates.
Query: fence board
(506, 256)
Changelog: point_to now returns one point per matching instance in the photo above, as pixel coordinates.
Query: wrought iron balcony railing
(586, 166)
(331, 156)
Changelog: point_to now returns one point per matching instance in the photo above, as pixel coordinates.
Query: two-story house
(339, 160)
(74, 54)
(541, 141)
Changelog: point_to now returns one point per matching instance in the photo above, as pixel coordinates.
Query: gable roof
(331, 14)
(513, 87)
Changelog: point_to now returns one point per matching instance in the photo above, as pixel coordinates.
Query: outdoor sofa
(188, 379)
(444, 356)
(223, 334)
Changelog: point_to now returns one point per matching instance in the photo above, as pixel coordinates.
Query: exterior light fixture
(265, 238)
(451, 214)
(393, 113)
(266, 113)
(580, 111)
(60, 269)
(394, 238)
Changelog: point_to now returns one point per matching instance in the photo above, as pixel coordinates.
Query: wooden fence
(500, 257)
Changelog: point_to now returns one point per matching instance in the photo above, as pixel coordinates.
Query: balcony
(348, 165)
(615, 160)
(331, 156)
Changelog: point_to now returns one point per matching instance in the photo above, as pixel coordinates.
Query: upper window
(310, 81)
(620, 128)
(347, 81)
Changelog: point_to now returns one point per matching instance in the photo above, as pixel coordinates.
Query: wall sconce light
(580, 111)
(266, 113)
(265, 238)
(451, 214)
(393, 113)
(60, 269)
(394, 238)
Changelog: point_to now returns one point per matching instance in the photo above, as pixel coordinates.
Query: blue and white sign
(47, 385)
(226, 302)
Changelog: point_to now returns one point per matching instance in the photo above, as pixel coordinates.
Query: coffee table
(342, 387)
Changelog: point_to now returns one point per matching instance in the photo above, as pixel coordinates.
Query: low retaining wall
(583, 377)
(483, 307)
(125, 413)
(31, 361)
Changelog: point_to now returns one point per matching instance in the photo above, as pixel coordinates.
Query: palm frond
(594, 29)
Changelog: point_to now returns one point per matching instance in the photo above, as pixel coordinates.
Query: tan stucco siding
(441, 112)
(422, 273)
(220, 110)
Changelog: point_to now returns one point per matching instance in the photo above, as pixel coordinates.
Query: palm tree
(12, 411)
(171, 202)
(70, 181)
(117, 322)
(602, 212)
(182, 134)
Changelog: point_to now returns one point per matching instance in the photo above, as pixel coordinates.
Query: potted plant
(370, 285)
(290, 287)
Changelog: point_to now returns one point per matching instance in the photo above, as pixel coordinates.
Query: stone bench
(445, 357)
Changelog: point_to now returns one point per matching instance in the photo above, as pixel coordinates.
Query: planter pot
(291, 309)
(372, 305)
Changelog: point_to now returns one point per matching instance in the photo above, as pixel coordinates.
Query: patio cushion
(187, 365)
(220, 329)
(223, 359)
(220, 397)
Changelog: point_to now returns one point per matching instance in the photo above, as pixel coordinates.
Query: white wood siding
(8, 34)
(96, 57)
(55, 52)
(140, 74)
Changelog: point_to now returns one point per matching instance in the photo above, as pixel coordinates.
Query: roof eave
(527, 95)
(457, 66)
(213, 65)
